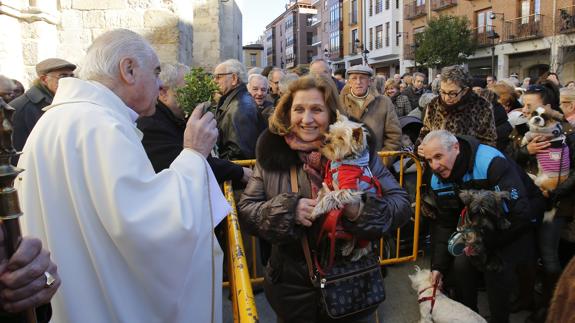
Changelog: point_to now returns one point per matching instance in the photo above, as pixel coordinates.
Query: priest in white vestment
(131, 245)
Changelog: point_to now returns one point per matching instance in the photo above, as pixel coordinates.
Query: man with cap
(376, 111)
(30, 104)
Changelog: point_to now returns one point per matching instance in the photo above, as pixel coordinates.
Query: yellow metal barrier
(243, 303)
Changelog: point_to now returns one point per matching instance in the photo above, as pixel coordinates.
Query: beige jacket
(379, 114)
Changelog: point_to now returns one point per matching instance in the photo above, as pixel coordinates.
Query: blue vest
(446, 193)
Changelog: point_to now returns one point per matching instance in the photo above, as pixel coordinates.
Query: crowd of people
(121, 186)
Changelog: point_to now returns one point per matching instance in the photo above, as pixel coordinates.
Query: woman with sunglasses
(459, 110)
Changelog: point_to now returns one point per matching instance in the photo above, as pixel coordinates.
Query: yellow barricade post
(243, 302)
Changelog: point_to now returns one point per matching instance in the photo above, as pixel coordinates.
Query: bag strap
(304, 240)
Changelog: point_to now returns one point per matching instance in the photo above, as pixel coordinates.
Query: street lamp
(493, 36)
(363, 52)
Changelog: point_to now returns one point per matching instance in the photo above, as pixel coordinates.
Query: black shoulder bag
(347, 287)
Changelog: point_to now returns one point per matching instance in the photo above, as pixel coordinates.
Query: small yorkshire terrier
(485, 213)
(553, 162)
(347, 177)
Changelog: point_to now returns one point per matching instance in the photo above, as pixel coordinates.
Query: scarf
(312, 160)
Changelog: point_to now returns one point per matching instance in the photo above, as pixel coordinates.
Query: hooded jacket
(480, 166)
(267, 209)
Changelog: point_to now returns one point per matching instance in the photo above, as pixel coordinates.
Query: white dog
(445, 310)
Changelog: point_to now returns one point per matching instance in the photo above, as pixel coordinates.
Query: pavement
(400, 306)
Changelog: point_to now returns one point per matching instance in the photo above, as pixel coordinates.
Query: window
(334, 42)
(353, 43)
(370, 9)
(378, 36)
(354, 11)
(484, 21)
(396, 4)
(397, 33)
(529, 8)
(370, 38)
(378, 6)
(386, 4)
(387, 34)
(420, 3)
(253, 59)
(309, 39)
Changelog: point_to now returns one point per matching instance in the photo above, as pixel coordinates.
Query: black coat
(238, 124)
(503, 174)
(28, 108)
(163, 142)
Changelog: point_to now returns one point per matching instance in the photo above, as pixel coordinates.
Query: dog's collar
(429, 298)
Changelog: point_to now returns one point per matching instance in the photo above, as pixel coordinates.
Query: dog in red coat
(347, 177)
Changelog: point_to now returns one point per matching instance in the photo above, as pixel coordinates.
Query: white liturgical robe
(131, 245)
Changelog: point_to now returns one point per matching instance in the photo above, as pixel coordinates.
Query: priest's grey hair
(102, 60)
(446, 138)
(236, 67)
(170, 74)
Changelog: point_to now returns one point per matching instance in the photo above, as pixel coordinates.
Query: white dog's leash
(429, 298)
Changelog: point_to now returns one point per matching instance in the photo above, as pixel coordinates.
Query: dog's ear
(357, 135)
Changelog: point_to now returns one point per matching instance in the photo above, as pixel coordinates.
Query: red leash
(429, 298)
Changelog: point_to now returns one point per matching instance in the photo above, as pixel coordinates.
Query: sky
(256, 15)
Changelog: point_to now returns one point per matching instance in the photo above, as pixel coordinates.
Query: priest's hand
(29, 278)
(201, 132)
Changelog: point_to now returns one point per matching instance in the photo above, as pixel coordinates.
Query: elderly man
(274, 77)
(463, 163)
(375, 110)
(164, 130)
(29, 105)
(320, 66)
(236, 114)
(133, 245)
(415, 90)
(258, 89)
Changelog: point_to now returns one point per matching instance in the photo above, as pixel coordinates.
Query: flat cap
(359, 69)
(52, 64)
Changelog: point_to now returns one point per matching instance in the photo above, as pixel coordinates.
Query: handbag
(347, 287)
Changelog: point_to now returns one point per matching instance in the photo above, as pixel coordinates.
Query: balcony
(313, 20)
(315, 40)
(442, 4)
(523, 28)
(352, 49)
(409, 51)
(413, 10)
(480, 34)
(565, 20)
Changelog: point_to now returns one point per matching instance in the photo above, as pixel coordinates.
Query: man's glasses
(452, 95)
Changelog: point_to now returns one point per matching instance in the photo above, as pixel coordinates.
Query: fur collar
(274, 154)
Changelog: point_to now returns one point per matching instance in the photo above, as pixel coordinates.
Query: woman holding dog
(546, 95)
(269, 207)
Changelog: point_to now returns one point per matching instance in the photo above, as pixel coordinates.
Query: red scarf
(311, 158)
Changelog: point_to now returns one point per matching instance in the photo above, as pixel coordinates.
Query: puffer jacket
(238, 125)
(267, 209)
(378, 113)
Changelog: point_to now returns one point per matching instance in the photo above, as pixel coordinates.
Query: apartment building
(353, 33)
(289, 37)
(328, 37)
(253, 55)
(527, 37)
(383, 32)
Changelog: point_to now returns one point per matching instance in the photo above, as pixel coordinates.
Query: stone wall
(65, 29)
